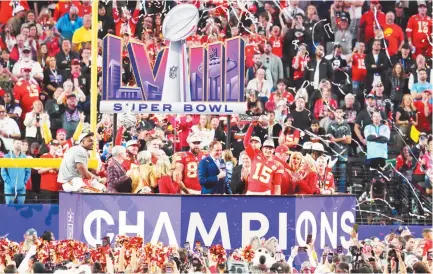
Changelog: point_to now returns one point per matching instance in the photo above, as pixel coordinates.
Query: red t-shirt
(49, 180)
(418, 28)
(368, 21)
(26, 92)
(250, 50)
(359, 71)
(190, 168)
(424, 123)
(393, 35)
(277, 45)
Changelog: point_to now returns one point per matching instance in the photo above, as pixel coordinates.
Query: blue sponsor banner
(230, 220)
(16, 219)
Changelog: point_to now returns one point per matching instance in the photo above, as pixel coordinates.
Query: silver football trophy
(180, 23)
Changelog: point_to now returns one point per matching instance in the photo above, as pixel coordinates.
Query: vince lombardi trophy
(180, 23)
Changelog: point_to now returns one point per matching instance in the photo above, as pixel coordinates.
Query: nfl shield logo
(173, 72)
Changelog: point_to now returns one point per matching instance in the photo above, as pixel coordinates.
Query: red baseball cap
(282, 149)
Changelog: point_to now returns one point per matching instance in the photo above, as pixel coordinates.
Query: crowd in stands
(398, 252)
(326, 81)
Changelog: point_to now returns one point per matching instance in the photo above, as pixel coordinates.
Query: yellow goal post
(55, 163)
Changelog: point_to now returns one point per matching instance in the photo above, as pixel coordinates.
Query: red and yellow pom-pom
(218, 253)
(248, 253)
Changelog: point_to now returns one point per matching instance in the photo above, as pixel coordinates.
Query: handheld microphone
(222, 164)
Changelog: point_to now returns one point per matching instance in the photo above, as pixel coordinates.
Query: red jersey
(368, 20)
(84, 10)
(419, 28)
(286, 95)
(393, 35)
(125, 26)
(287, 186)
(190, 168)
(359, 71)
(291, 137)
(67, 145)
(49, 179)
(326, 182)
(319, 107)
(250, 50)
(265, 173)
(299, 72)
(26, 92)
(277, 45)
(6, 9)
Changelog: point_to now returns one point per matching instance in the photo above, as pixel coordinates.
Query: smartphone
(170, 257)
(309, 239)
(186, 245)
(355, 227)
(340, 249)
(98, 245)
(168, 269)
(205, 251)
(430, 255)
(86, 256)
(330, 256)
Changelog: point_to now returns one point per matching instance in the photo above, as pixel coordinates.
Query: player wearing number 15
(26, 91)
(266, 173)
(419, 30)
(189, 161)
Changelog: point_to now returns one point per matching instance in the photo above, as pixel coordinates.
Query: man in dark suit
(376, 63)
(317, 69)
(240, 174)
(211, 172)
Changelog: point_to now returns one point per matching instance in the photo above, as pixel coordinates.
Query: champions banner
(215, 74)
(229, 220)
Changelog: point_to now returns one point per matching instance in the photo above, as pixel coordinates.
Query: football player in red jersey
(325, 180)
(359, 71)
(26, 91)
(282, 154)
(190, 160)
(266, 172)
(418, 30)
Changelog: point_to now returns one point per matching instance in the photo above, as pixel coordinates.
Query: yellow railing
(55, 163)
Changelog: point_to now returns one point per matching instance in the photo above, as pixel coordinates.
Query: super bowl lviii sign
(196, 80)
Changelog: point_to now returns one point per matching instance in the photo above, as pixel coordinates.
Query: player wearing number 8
(189, 161)
(266, 173)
